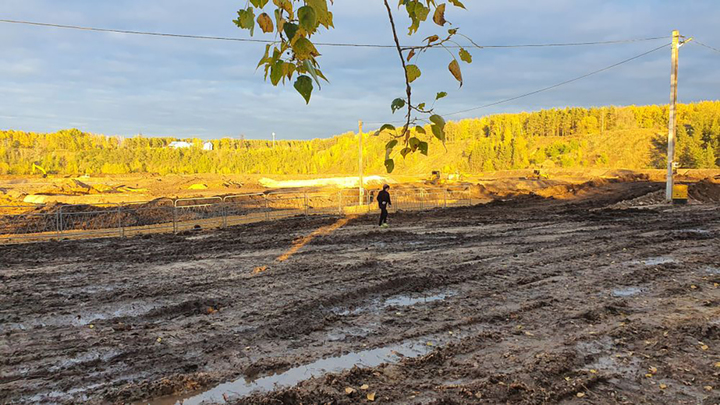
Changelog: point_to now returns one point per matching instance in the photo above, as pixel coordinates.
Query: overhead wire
(333, 44)
(507, 100)
(706, 46)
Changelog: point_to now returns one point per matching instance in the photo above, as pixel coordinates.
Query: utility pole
(273, 135)
(361, 191)
(672, 122)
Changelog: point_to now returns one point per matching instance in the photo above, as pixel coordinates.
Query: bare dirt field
(606, 297)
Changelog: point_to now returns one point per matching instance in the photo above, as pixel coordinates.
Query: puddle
(654, 261)
(403, 300)
(713, 270)
(407, 301)
(341, 334)
(364, 359)
(137, 308)
(626, 292)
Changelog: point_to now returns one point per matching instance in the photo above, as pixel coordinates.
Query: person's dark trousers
(383, 215)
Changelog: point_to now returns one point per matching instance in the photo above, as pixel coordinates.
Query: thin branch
(408, 89)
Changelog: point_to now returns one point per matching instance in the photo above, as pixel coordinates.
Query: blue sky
(116, 84)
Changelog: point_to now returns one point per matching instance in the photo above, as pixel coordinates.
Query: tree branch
(408, 89)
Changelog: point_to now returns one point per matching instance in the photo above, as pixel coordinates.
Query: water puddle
(713, 270)
(82, 318)
(407, 301)
(654, 261)
(626, 292)
(403, 300)
(241, 387)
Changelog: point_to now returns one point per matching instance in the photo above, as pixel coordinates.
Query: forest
(632, 137)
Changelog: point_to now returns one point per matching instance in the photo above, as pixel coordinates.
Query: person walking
(383, 199)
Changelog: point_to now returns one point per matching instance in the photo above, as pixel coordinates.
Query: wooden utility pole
(361, 191)
(672, 122)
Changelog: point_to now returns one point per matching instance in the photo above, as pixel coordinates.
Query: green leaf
(404, 152)
(313, 72)
(265, 23)
(437, 120)
(457, 3)
(308, 18)
(420, 129)
(304, 49)
(421, 106)
(391, 144)
(386, 127)
(304, 86)
(438, 127)
(465, 56)
(290, 30)
(454, 68)
(440, 95)
(323, 16)
(413, 142)
(439, 16)
(259, 3)
(389, 165)
(276, 72)
(246, 19)
(423, 147)
(397, 104)
(413, 72)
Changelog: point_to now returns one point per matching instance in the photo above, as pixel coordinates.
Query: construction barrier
(58, 221)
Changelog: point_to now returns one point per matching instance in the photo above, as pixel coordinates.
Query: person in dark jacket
(383, 199)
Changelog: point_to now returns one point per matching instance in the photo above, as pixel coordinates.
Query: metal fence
(40, 222)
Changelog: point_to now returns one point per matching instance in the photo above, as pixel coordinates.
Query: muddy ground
(527, 300)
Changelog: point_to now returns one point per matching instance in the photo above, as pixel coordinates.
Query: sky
(115, 84)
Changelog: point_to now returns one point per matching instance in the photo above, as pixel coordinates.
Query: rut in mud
(525, 300)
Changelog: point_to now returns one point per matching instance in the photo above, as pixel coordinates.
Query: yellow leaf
(708, 388)
(693, 286)
(717, 365)
(704, 347)
(593, 371)
(653, 370)
(568, 378)
(159, 339)
(648, 375)
(454, 68)
(371, 396)
(663, 386)
(580, 394)
(265, 23)
(364, 387)
(439, 16)
(92, 326)
(349, 390)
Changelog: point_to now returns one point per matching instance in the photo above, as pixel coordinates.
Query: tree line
(633, 137)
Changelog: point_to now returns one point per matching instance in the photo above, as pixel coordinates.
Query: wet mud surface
(527, 300)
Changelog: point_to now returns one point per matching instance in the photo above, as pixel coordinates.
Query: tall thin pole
(672, 122)
(361, 191)
(273, 140)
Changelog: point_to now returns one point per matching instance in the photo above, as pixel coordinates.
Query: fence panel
(27, 224)
(166, 215)
(191, 213)
(149, 217)
(245, 208)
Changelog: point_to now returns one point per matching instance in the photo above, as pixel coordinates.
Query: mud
(526, 300)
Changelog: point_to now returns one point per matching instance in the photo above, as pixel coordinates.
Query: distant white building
(179, 145)
(208, 146)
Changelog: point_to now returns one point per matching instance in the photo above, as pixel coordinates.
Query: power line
(706, 46)
(265, 41)
(562, 83)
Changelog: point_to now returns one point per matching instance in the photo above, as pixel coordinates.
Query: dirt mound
(706, 191)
